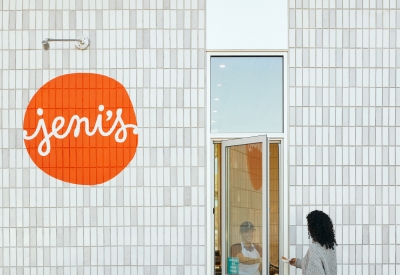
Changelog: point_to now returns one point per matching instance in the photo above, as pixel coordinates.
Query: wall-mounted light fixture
(82, 42)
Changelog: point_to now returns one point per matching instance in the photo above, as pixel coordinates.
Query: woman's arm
(311, 264)
(246, 260)
(295, 262)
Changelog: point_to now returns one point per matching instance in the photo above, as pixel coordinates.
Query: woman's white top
(249, 269)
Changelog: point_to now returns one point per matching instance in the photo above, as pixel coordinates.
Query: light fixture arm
(82, 42)
(55, 39)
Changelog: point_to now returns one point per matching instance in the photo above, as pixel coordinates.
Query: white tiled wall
(150, 219)
(343, 128)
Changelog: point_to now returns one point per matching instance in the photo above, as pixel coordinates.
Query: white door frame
(281, 137)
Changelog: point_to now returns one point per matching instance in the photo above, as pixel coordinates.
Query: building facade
(149, 186)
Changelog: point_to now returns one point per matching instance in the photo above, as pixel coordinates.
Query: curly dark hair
(320, 229)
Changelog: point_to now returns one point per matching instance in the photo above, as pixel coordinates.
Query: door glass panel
(243, 208)
(274, 207)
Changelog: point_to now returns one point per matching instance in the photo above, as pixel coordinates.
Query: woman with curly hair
(321, 255)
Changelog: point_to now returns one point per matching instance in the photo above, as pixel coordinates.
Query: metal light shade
(46, 45)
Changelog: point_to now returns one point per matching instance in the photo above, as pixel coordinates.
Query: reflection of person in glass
(249, 254)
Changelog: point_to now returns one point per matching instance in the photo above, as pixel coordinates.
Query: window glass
(274, 207)
(247, 94)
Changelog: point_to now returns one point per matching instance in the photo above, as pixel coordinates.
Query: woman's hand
(293, 261)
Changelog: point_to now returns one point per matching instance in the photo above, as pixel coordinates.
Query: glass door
(244, 170)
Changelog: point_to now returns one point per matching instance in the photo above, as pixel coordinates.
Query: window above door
(246, 94)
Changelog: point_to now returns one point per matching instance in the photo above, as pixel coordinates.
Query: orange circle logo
(80, 128)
